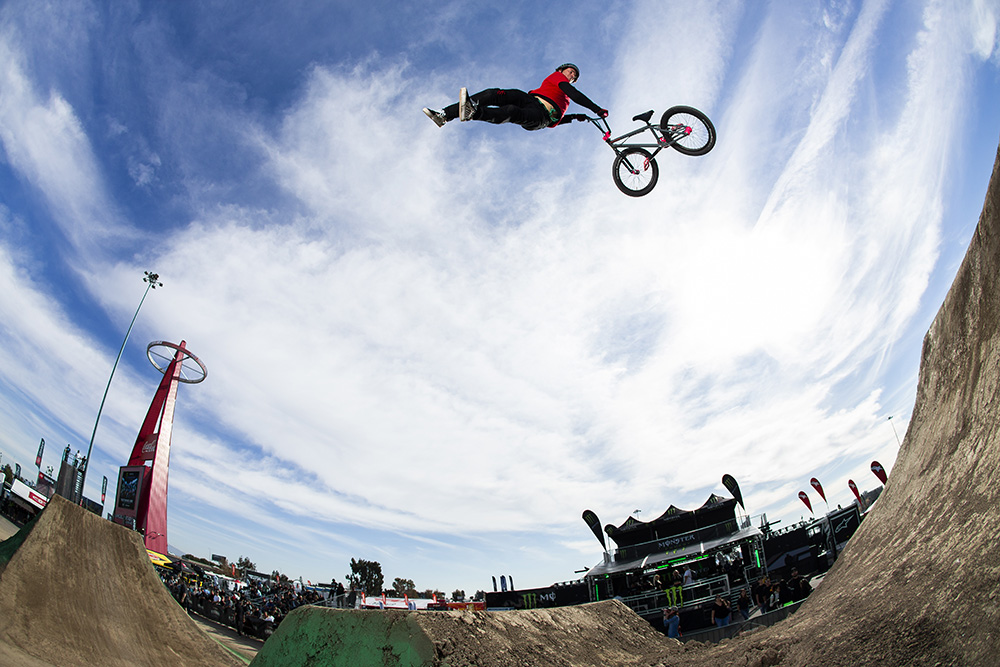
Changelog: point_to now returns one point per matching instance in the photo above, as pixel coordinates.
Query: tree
(244, 565)
(403, 587)
(8, 475)
(432, 593)
(366, 575)
(458, 596)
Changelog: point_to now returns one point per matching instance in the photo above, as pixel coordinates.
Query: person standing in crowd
(672, 622)
(675, 596)
(720, 612)
(743, 604)
(762, 595)
(688, 575)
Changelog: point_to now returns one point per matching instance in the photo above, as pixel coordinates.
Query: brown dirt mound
(78, 590)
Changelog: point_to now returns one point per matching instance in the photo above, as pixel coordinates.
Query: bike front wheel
(688, 130)
(635, 172)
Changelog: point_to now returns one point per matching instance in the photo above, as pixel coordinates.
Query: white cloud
(43, 140)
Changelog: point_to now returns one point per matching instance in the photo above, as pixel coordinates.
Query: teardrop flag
(805, 498)
(854, 488)
(730, 483)
(819, 488)
(879, 471)
(595, 526)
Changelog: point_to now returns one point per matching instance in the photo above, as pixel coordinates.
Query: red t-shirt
(550, 90)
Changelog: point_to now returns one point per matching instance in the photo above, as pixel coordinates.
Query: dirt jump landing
(78, 590)
(602, 633)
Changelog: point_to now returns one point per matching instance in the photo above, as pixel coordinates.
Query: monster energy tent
(674, 557)
(723, 553)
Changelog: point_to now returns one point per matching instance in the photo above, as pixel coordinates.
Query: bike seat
(644, 117)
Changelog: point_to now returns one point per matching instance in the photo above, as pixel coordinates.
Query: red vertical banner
(805, 498)
(879, 471)
(819, 488)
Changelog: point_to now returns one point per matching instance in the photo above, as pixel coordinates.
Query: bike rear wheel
(688, 130)
(635, 172)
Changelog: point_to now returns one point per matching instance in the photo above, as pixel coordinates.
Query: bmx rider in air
(542, 107)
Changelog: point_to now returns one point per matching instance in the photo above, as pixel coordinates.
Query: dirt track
(80, 590)
(917, 585)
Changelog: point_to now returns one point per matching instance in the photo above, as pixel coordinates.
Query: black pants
(506, 105)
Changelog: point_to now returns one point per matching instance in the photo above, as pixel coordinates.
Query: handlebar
(601, 124)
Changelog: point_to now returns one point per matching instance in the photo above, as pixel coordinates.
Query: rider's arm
(579, 97)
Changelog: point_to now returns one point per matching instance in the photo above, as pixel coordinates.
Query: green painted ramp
(347, 638)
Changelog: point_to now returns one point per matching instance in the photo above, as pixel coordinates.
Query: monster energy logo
(533, 600)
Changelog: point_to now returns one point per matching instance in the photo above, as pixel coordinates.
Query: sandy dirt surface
(918, 584)
(79, 590)
(7, 529)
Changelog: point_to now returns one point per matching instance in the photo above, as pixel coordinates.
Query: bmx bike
(685, 129)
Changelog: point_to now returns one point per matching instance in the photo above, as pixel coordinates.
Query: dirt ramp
(78, 590)
(598, 634)
(919, 584)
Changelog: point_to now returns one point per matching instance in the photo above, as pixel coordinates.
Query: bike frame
(662, 139)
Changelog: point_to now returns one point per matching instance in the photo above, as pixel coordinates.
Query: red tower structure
(142, 484)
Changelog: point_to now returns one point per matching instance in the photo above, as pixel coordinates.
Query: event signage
(22, 490)
(805, 498)
(854, 488)
(595, 526)
(879, 472)
(129, 492)
(38, 457)
(819, 488)
(677, 542)
(730, 483)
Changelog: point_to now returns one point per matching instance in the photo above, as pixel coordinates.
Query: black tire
(698, 136)
(635, 172)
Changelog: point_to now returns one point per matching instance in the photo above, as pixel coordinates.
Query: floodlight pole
(894, 431)
(152, 281)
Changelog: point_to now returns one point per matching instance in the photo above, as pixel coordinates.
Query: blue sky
(435, 348)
